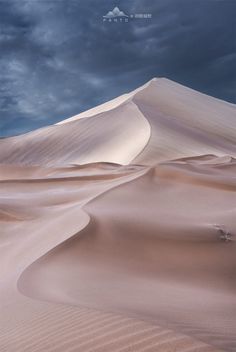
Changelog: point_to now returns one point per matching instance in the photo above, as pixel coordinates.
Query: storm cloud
(58, 58)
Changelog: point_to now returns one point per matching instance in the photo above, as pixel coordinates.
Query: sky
(59, 58)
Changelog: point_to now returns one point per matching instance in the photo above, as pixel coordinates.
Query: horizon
(60, 59)
(126, 92)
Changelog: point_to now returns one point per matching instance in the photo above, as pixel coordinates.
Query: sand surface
(118, 228)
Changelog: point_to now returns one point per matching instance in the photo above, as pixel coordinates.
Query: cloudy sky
(58, 57)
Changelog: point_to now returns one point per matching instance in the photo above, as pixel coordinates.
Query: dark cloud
(58, 58)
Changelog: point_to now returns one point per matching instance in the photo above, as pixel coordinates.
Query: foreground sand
(118, 228)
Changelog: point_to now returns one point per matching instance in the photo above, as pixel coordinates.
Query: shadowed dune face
(118, 225)
(160, 121)
(153, 248)
(103, 138)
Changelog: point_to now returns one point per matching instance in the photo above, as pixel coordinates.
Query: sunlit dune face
(118, 227)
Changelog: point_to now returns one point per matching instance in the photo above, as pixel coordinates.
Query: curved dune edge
(110, 105)
(118, 228)
(159, 121)
(35, 326)
(37, 291)
(40, 326)
(117, 136)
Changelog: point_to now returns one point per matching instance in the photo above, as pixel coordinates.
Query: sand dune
(118, 228)
(160, 121)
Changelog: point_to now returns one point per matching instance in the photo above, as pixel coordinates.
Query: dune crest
(118, 228)
(162, 120)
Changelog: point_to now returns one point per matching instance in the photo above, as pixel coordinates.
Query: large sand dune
(118, 228)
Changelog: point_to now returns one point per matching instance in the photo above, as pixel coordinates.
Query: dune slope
(118, 228)
(160, 121)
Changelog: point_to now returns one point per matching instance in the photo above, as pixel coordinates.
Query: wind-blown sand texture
(118, 228)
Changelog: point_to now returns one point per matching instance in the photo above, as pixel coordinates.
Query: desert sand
(118, 228)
